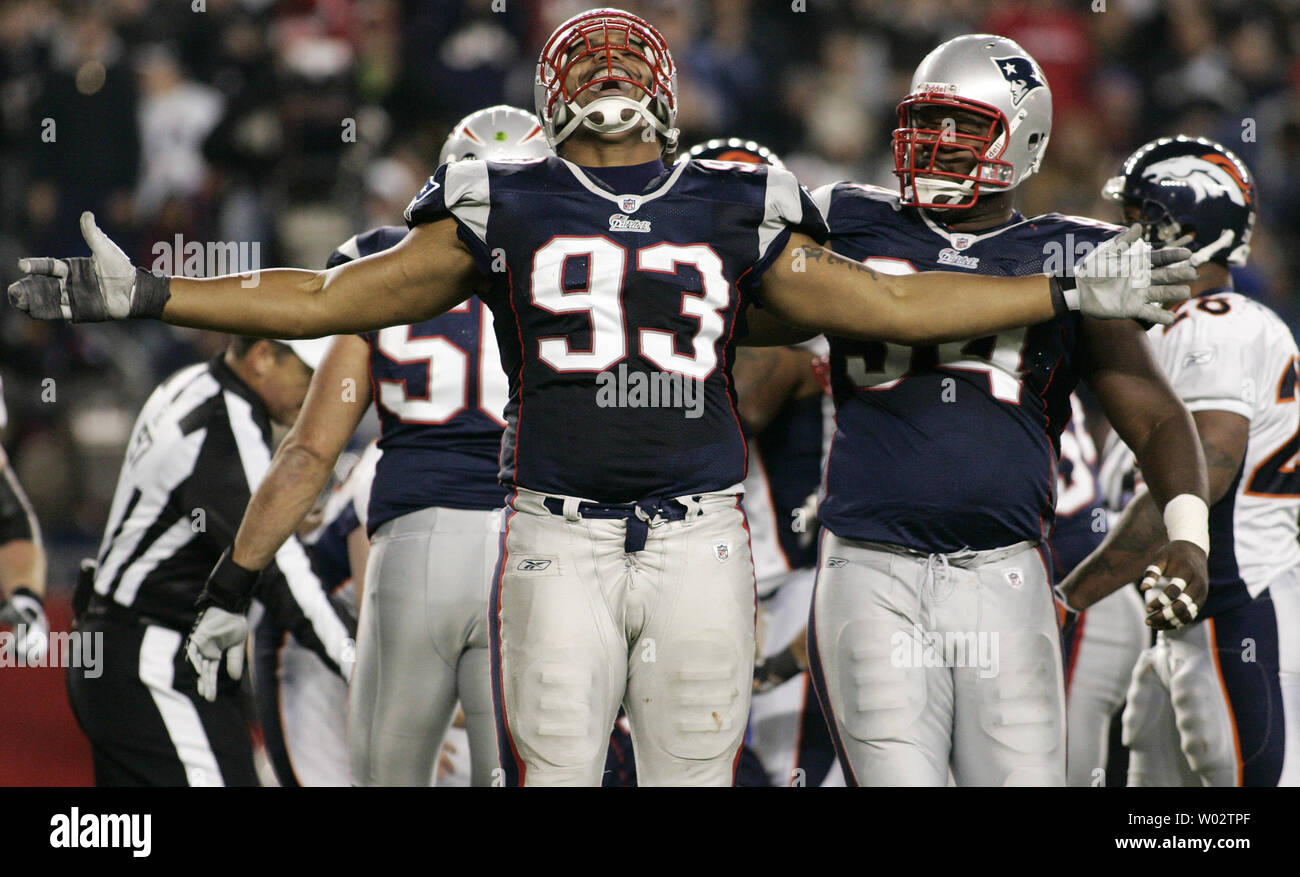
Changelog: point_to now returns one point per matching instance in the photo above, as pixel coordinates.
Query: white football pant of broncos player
(1108, 637)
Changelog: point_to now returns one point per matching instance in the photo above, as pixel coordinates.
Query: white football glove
(25, 613)
(1124, 277)
(216, 632)
(105, 286)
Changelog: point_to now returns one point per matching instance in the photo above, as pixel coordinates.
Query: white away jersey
(1226, 352)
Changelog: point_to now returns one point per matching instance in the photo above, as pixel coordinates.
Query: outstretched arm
(429, 272)
(808, 285)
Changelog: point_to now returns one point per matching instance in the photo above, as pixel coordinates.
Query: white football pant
(931, 662)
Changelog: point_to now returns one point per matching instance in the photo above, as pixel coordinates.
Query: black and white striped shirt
(198, 450)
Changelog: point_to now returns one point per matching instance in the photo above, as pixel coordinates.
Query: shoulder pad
(376, 240)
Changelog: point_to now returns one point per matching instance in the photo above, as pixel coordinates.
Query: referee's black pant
(146, 722)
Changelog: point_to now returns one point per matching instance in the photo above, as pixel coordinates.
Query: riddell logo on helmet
(944, 88)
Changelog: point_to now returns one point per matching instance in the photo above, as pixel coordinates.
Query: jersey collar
(961, 240)
(631, 201)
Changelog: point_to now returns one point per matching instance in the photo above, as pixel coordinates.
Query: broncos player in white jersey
(933, 638)
(1216, 700)
(607, 272)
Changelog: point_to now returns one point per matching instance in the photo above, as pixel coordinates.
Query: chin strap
(928, 191)
(605, 115)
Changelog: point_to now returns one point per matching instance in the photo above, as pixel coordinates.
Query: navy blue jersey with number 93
(617, 314)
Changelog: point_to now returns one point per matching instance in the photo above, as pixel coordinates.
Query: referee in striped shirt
(198, 451)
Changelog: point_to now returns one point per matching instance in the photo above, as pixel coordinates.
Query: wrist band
(1065, 297)
(230, 586)
(151, 294)
(1187, 518)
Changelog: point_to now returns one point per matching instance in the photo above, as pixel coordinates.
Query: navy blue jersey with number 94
(439, 391)
(952, 446)
(617, 314)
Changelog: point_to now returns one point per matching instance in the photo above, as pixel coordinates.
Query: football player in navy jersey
(619, 288)
(934, 638)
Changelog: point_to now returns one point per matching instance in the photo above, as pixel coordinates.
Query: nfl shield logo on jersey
(630, 203)
(1014, 578)
(962, 241)
(722, 551)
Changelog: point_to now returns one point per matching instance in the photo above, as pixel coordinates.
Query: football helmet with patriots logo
(496, 132)
(977, 120)
(1190, 185)
(628, 52)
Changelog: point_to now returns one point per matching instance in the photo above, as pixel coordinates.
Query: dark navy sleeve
(458, 190)
(430, 203)
(788, 207)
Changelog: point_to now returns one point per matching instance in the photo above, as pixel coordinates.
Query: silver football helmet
(1005, 107)
(496, 132)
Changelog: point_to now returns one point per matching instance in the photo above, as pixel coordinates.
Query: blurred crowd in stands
(292, 124)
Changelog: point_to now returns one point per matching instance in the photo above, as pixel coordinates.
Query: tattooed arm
(810, 286)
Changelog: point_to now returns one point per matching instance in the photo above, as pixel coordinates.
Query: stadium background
(292, 124)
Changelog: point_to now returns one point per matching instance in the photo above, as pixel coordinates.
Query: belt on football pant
(101, 607)
(640, 516)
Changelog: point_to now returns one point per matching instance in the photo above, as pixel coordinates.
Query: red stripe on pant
(506, 750)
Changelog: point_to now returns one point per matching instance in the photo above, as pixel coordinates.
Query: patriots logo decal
(1020, 75)
(429, 186)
